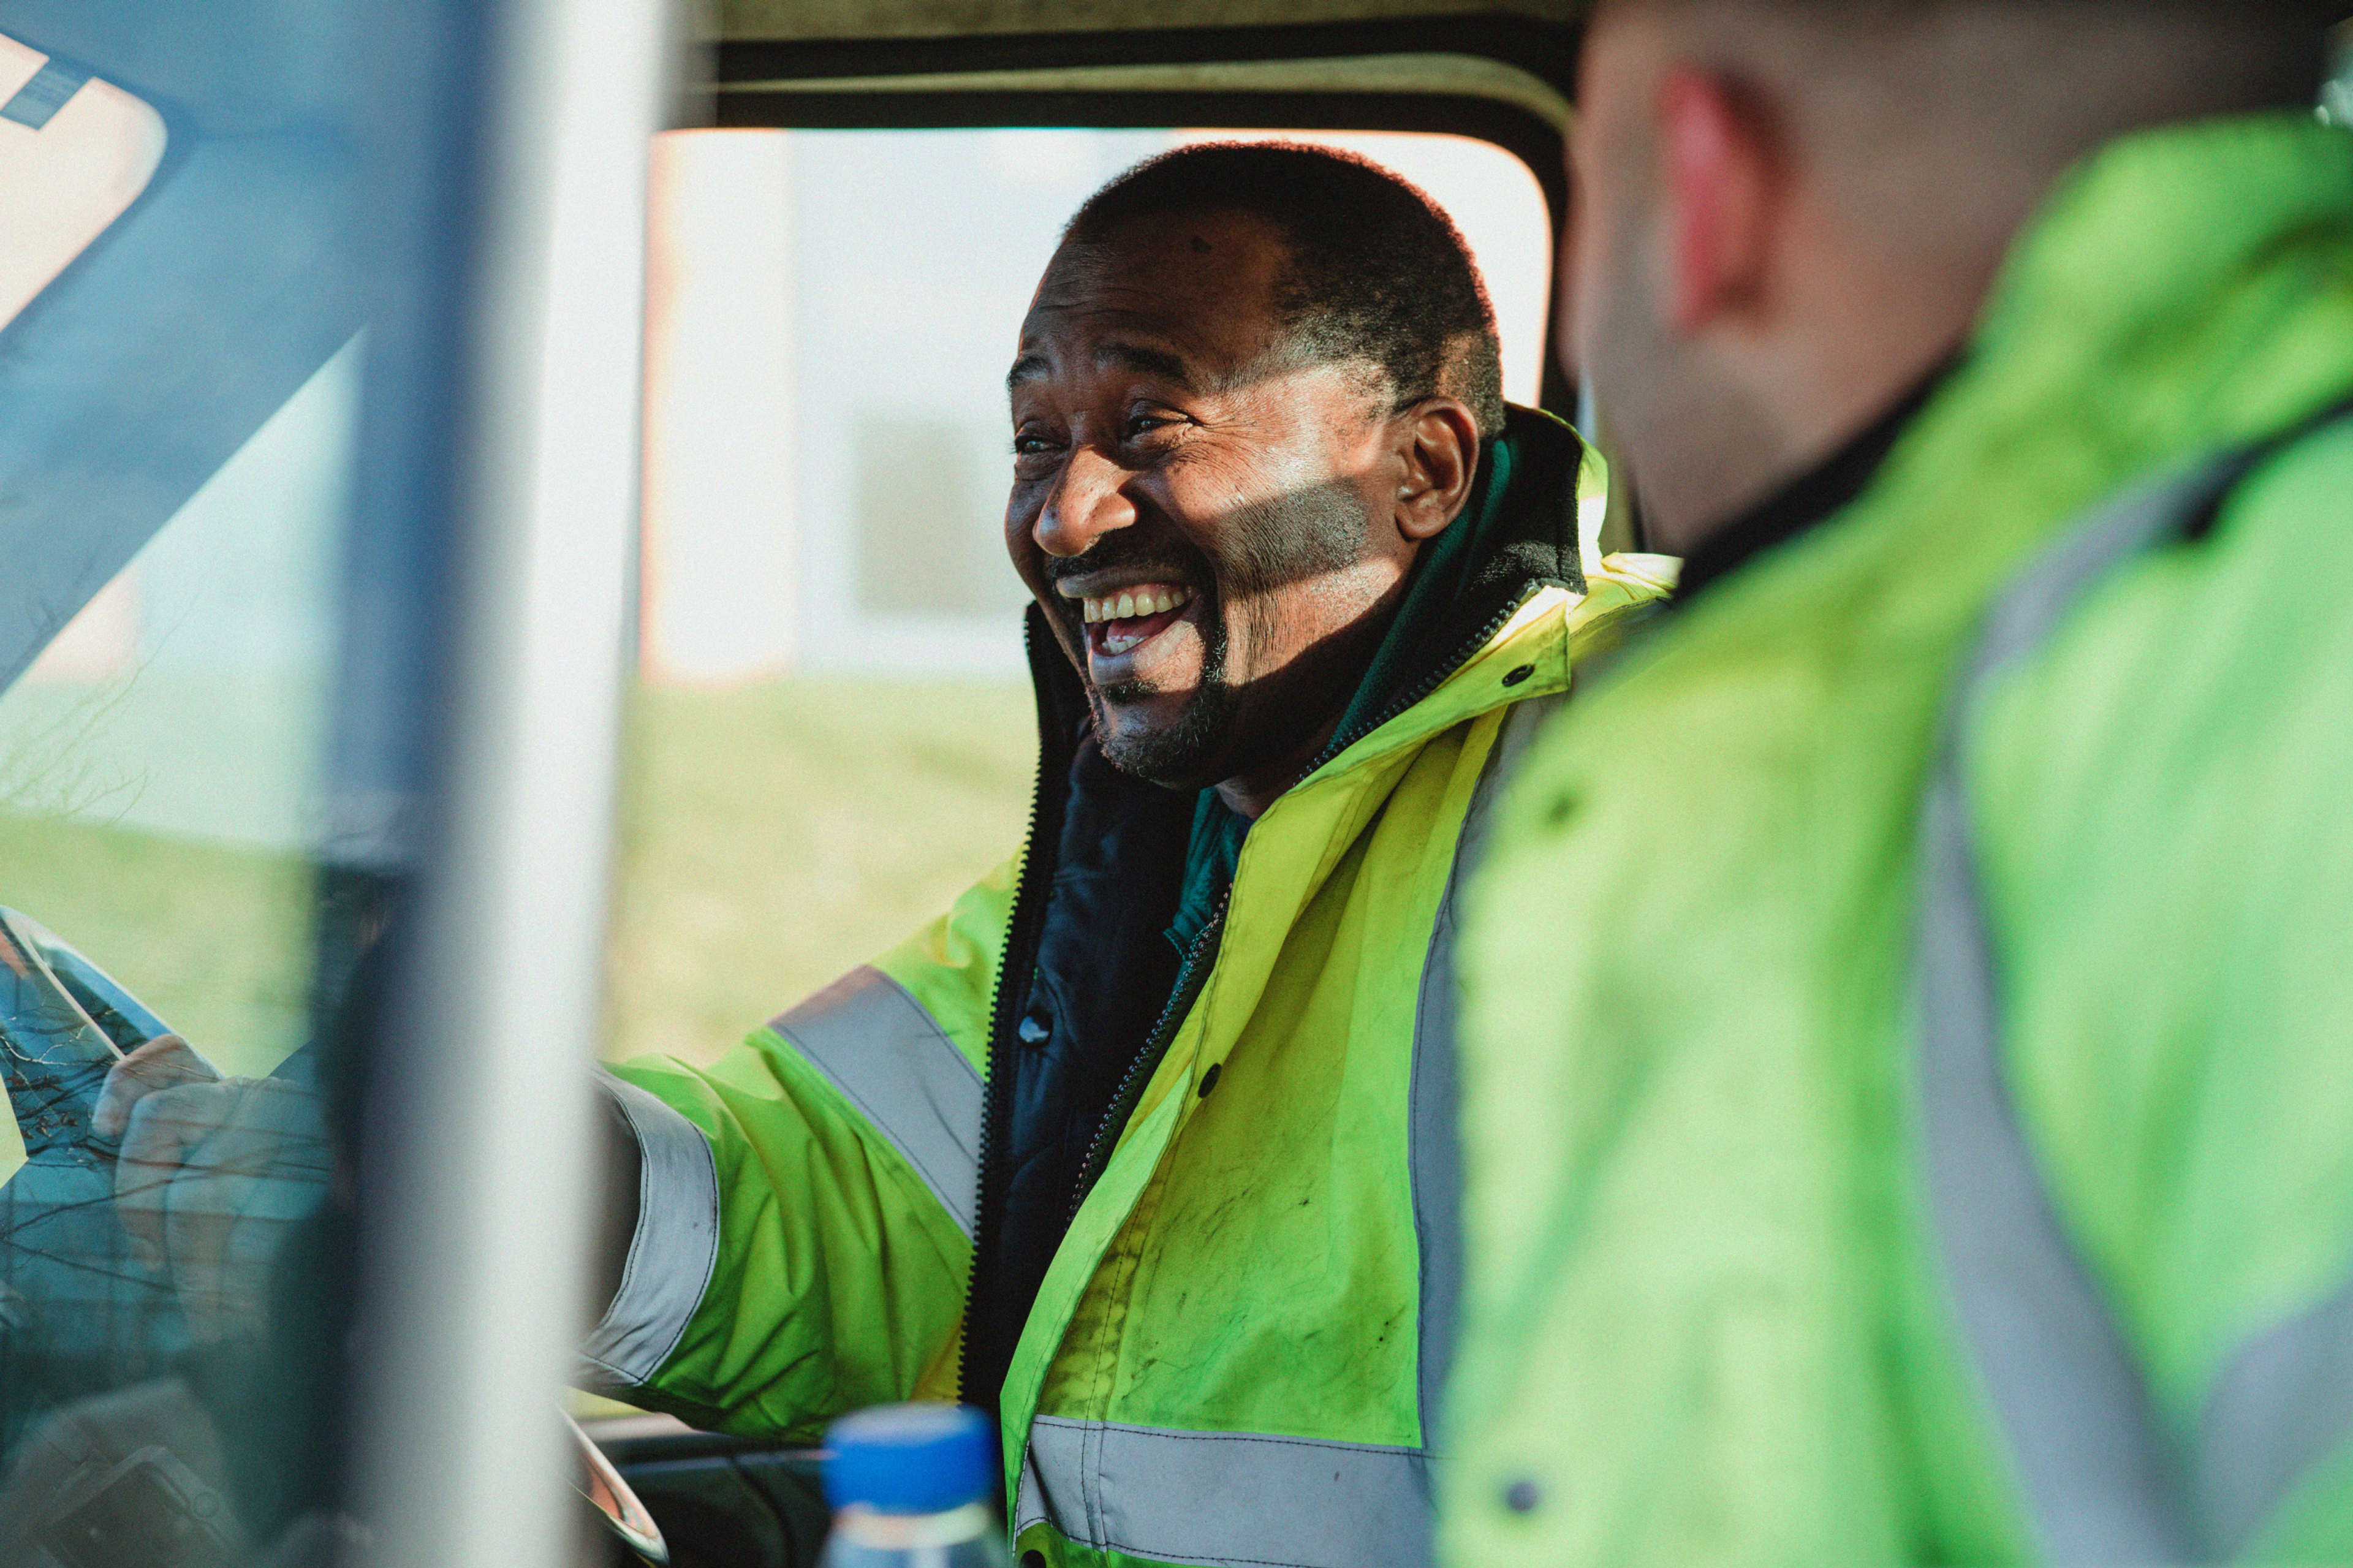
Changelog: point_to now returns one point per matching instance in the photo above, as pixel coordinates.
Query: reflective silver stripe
(1250, 1500)
(2284, 1403)
(2102, 1481)
(882, 1052)
(1435, 1147)
(675, 1247)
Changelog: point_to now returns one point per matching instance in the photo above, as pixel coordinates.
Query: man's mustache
(1114, 550)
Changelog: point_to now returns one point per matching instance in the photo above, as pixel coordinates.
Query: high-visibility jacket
(1237, 1346)
(1830, 1202)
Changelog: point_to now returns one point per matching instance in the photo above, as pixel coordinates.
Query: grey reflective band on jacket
(2284, 1403)
(675, 1247)
(1244, 1499)
(2102, 1481)
(1433, 1126)
(880, 1051)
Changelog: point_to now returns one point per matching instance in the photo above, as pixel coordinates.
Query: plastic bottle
(911, 1485)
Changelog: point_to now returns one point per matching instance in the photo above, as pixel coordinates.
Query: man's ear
(1721, 165)
(1439, 441)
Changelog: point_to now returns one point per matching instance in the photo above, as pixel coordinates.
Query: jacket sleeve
(803, 1217)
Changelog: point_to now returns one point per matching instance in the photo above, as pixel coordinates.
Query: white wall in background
(719, 601)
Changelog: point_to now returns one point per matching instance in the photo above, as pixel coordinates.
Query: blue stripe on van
(42, 97)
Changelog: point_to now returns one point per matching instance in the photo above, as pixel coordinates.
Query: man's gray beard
(1289, 538)
(1175, 757)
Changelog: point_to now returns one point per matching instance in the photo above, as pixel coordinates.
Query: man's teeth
(1128, 603)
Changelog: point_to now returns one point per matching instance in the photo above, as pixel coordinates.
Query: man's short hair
(1376, 272)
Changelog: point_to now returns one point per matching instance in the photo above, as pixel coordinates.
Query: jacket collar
(2153, 228)
(1820, 493)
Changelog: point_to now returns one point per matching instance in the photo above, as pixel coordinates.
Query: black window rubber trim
(1545, 49)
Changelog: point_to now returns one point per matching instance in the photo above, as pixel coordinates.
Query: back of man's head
(1854, 173)
(2015, 90)
(1375, 273)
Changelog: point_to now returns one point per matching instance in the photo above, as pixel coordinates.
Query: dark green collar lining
(1446, 578)
(1441, 575)
(1210, 861)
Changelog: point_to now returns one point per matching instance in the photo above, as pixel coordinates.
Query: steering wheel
(64, 1022)
(616, 1506)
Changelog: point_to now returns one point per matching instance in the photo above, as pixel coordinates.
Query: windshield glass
(187, 886)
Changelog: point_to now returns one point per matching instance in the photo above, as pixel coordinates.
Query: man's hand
(212, 1174)
(161, 1063)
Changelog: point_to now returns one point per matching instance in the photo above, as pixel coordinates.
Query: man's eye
(1140, 424)
(1026, 445)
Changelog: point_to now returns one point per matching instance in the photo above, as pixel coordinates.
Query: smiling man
(1192, 491)
(1147, 1145)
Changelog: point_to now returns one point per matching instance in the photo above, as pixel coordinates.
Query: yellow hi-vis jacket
(1905, 1099)
(1237, 1350)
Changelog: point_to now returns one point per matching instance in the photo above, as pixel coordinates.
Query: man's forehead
(1170, 253)
(1189, 290)
(1045, 354)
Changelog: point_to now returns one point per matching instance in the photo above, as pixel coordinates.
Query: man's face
(1710, 340)
(1201, 514)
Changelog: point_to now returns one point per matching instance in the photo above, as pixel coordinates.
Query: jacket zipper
(1018, 959)
(1190, 978)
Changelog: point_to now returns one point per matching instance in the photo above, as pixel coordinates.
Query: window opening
(832, 734)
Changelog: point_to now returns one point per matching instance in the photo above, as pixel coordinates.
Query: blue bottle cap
(911, 1458)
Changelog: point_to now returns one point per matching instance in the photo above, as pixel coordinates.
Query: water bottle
(910, 1485)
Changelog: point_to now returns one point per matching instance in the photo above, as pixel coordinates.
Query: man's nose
(1085, 503)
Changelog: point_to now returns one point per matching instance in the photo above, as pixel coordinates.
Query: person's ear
(1720, 165)
(1438, 443)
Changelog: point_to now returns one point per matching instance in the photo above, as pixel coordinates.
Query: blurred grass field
(216, 938)
(771, 836)
(775, 834)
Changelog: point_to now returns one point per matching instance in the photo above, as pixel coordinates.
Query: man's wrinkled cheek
(1252, 630)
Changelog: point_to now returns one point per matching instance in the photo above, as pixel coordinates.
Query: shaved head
(1996, 93)
(1790, 210)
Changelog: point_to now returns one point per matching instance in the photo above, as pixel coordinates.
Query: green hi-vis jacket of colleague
(1843, 1191)
(1236, 1350)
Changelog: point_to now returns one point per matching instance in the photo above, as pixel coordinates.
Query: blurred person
(1146, 1144)
(241, 1193)
(1905, 1108)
